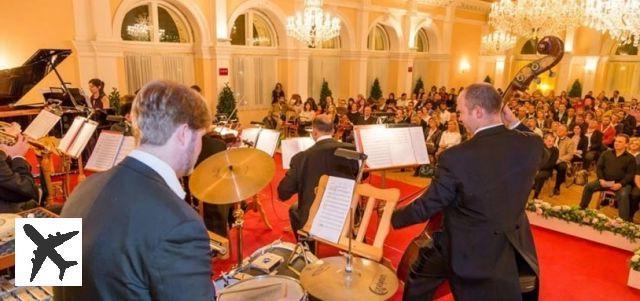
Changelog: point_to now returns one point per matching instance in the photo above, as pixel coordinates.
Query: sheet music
(42, 124)
(392, 147)
(419, 145)
(268, 141)
(334, 209)
(78, 145)
(106, 150)
(128, 144)
(249, 135)
(290, 147)
(68, 138)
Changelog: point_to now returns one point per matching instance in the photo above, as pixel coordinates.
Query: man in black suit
(18, 191)
(481, 186)
(595, 146)
(308, 166)
(616, 98)
(366, 118)
(628, 121)
(141, 240)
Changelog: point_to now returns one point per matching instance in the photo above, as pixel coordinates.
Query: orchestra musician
(481, 186)
(141, 241)
(18, 191)
(308, 166)
(98, 99)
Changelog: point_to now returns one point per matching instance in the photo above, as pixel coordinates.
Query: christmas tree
(324, 92)
(576, 89)
(226, 102)
(376, 92)
(488, 80)
(419, 85)
(114, 100)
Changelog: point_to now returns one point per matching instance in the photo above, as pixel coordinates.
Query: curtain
(327, 68)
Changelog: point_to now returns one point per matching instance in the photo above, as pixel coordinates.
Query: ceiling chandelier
(313, 26)
(497, 42)
(437, 2)
(533, 18)
(141, 30)
(620, 18)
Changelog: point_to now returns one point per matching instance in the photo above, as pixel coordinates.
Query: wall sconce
(590, 64)
(500, 65)
(465, 66)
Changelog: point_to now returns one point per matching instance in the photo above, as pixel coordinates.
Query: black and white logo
(48, 252)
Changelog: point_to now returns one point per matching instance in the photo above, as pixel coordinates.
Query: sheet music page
(104, 154)
(128, 144)
(290, 147)
(42, 124)
(250, 135)
(68, 138)
(268, 141)
(376, 146)
(333, 210)
(398, 140)
(82, 139)
(419, 145)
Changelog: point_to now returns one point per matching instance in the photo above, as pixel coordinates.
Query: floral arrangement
(591, 218)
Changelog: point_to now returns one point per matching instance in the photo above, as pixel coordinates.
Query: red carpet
(571, 268)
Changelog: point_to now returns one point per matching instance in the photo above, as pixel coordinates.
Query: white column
(222, 28)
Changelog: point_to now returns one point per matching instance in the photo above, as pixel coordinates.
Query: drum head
(264, 288)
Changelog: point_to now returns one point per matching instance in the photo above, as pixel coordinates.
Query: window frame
(153, 6)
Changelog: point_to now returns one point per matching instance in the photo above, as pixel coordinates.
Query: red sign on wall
(223, 71)
(410, 69)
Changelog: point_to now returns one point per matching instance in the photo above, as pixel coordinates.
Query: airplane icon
(46, 248)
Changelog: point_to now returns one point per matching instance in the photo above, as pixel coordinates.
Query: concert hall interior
(324, 149)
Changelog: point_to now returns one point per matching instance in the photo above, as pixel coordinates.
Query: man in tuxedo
(481, 186)
(308, 166)
(366, 117)
(18, 191)
(616, 98)
(141, 240)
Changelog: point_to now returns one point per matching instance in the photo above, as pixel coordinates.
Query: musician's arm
(289, 184)
(441, 194)
(15, 175)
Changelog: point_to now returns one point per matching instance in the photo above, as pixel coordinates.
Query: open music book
(111, 148)
(77, 137)
(334, 207)
(41, 125)
(391, 147)
(290, 147)
(265, 140)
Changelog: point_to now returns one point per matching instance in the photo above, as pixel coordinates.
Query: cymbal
(326, 279)
(231, 176)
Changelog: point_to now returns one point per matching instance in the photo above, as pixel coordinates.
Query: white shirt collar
(162, 168)
(487, 127)
(324, 137)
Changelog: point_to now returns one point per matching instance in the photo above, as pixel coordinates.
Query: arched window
(529, 47)
(253, 29)
(155, 21)
(329, 44)
(378, 38)
(422, 41)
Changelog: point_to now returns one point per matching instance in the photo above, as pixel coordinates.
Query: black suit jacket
(629, 125)
(482, 186)
(140, 241)
(17, 185)
(306, 169)
(370, 120)
(596, 143)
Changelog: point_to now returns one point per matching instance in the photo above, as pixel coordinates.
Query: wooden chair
(372, 196)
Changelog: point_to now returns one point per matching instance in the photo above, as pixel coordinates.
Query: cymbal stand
(349, 267)
(238, 223)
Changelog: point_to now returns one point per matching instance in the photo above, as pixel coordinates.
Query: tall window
(378, 38)
(329, 44)
(530, 47)
(422, 41)
(627, 49)
(155, 21)
(253, 29)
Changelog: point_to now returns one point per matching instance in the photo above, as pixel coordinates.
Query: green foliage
(324, 92)
(376, 91)
(226, 102)
(488, 80)
(419, 85)
(114, 100)
(576, 89)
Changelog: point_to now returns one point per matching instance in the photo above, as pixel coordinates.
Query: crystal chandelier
(533, 18)
(497, 42)
(437, 2)
(620, 18)
(313, 26)
(141, 30)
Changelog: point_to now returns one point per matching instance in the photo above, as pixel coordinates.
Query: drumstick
(240, 290)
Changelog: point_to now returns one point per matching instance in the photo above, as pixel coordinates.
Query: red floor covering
(572, 268)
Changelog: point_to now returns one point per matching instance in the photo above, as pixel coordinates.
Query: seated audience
(450, 137)
(595, 145)
(366, 117)
(566, 149)
(608, 131)
(581, 142)
(615, 170)
(547, 168)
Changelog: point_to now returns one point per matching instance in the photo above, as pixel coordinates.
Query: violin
(553, 49)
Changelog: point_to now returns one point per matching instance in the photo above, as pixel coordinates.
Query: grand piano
(16, 82)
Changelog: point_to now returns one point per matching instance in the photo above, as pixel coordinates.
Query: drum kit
(281, 270)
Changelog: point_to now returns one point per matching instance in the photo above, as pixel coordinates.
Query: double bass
(553, 49)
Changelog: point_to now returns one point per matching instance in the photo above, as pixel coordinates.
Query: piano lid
(16, 82)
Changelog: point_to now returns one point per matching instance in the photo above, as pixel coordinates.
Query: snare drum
(265, 288)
